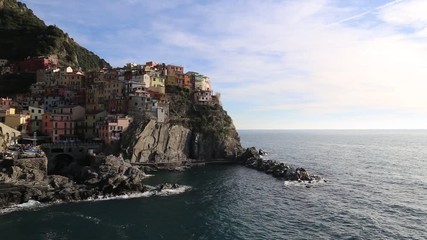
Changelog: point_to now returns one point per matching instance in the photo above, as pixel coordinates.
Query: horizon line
(327, 129)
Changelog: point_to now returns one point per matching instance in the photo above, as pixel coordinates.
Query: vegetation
(13, 84)
(211, 120)
(23, 34)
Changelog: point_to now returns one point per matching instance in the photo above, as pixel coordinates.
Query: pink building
(57, 126)
(112, 127)
(64, 123)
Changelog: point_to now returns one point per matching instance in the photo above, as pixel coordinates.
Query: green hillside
(23, 34)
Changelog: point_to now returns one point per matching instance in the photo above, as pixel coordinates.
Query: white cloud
(411, 13)
(311, 58)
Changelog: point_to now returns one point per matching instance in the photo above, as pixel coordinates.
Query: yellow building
(5, 112)
(15, 120)
(157, 83)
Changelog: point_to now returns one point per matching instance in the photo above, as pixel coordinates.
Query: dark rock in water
(166, 186)
(250, 153)
(27, 179)
(252, 158)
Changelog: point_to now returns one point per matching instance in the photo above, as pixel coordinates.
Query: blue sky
(279, 64)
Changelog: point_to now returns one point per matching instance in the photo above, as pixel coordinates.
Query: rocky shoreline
(22, 180)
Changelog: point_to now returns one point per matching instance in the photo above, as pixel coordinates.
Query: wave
(35, 205)
(149, 193)
(30, 205)
(168, 192)
(305, 183)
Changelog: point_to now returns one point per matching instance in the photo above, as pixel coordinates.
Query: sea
(374, 187)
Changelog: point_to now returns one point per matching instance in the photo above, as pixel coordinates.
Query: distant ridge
(23, 34)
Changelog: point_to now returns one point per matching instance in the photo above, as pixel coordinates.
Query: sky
(278, 64)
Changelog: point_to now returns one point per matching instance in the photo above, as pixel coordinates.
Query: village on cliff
(69, 105)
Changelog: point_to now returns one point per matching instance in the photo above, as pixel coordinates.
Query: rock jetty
(251, 158)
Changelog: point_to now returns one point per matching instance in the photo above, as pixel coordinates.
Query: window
(32, 110)
(40, 111)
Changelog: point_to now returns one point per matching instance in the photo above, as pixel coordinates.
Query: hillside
(23, 34)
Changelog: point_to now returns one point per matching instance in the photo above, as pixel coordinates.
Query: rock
(57, 181)
(250, 154)
(161, 143)
(171, 142)
(166, 186)
(251, 158)
(110, 176)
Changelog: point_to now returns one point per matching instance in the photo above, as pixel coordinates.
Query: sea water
(376, 188)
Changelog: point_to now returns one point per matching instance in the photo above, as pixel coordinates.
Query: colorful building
(5, 111)
(16, 120)
(64, 123)
(91, 123)
(112, 127)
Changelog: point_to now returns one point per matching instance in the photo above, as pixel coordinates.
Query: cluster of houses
(69, 105)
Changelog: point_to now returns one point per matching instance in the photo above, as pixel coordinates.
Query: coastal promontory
(85, 130)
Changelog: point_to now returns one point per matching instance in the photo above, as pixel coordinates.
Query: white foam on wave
(305, 183)
(153, 192)
(34, 205)
(87, 217)
(168, 192)
(30, 205)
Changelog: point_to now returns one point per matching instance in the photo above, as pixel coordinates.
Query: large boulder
(30, 170)
(113, 175)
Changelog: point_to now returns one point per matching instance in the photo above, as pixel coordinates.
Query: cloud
(293, 60)
(410, 13)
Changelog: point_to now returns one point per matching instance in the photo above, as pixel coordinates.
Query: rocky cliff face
(174, 143)
(159, 143)
(201, 133)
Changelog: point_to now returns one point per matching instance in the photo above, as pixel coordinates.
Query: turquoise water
(376, 189)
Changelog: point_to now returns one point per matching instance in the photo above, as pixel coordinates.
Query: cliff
(194, 132)
(24, 34)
